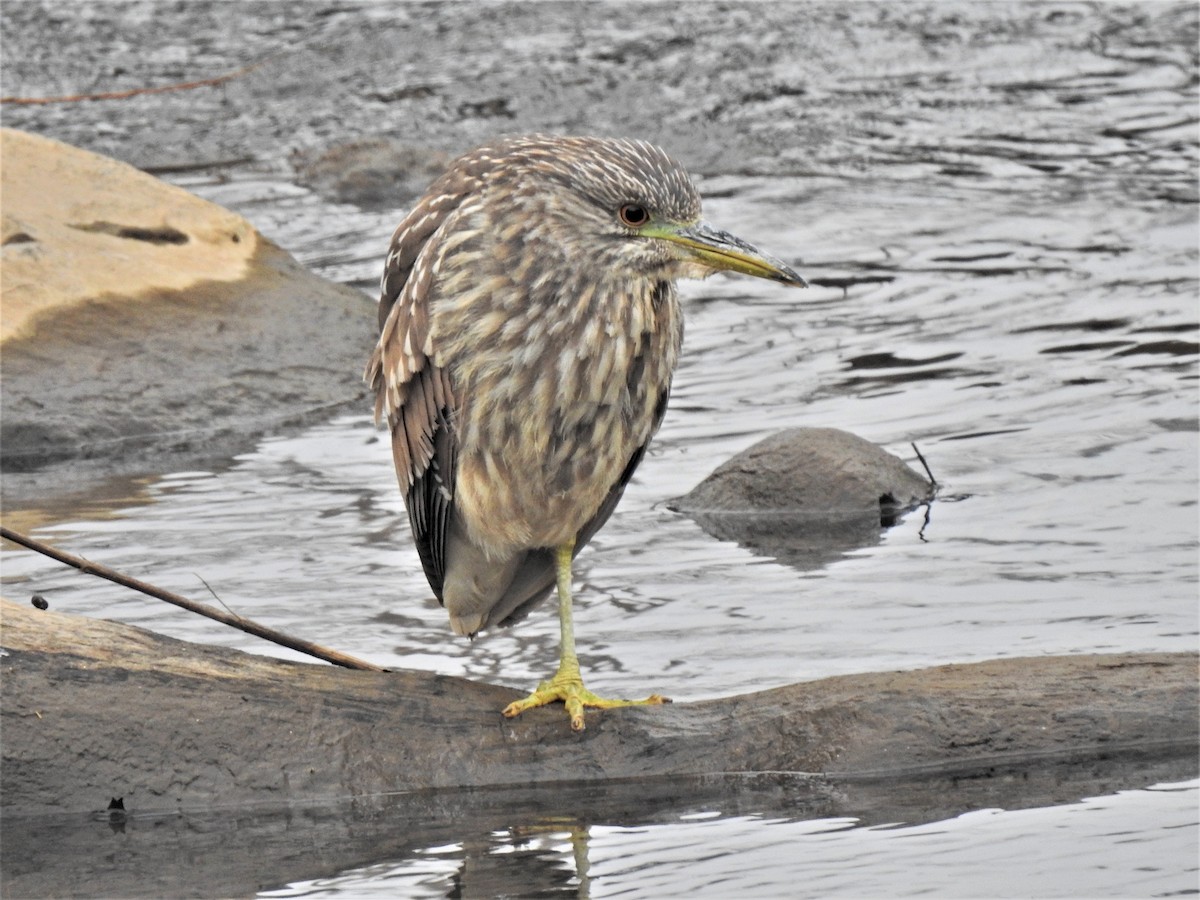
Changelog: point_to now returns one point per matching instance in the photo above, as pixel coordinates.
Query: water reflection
(714, 836)
(99, 501)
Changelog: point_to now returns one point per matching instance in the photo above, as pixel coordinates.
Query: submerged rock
(806, 495)
(372, 173)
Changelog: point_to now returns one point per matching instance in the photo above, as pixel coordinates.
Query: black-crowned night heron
(529, 329)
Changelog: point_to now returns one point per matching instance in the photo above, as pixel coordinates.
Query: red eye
(633, 215)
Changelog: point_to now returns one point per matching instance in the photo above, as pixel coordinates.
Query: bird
(529, 327)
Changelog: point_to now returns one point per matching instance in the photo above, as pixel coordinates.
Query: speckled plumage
(529, 328)
(526, 351)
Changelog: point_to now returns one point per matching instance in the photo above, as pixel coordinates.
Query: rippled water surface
(1018, 296)
(1117, 844)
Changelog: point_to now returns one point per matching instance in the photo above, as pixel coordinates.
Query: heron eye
(633, 215)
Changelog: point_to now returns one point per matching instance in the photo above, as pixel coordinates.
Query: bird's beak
(721, 251)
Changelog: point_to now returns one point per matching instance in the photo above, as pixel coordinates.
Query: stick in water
(236, 621)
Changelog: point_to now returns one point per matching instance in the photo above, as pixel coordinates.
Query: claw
(567, 683)
(567, 686)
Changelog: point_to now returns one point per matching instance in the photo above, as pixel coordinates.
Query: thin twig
(215, 596)
(932, 480)
(239, 622)
(134, 92)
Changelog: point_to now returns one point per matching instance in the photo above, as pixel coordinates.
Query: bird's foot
(567, 686)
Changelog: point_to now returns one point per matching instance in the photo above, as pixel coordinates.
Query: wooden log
(92, 710)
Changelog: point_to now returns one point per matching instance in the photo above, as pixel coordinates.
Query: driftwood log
(238, 773)
(93, 710)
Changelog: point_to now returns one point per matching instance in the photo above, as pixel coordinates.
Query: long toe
(575, 697)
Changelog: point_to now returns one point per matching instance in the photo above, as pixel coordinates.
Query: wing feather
(415, 395)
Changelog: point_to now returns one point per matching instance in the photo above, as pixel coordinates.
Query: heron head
(621, 207)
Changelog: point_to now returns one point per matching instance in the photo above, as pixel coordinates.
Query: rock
(372, 173)
(261, 772)
(78, 226)
(146, 329)
(806, 495)
(93, 710)
(822, 471)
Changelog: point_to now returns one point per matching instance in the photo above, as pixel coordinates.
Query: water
(987, 853)
(1013, 287)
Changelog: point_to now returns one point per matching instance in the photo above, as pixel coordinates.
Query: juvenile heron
(529, 327)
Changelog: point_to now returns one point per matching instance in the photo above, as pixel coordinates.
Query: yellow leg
(567, 683)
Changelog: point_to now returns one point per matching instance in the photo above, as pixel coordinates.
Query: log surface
(92, 710)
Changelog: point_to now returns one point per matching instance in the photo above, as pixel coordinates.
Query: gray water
(1020, 301)
(1113, 846)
